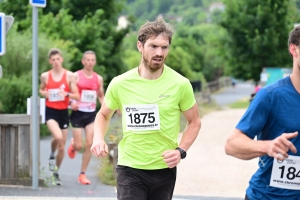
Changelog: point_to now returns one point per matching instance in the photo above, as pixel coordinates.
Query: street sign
(2, 34)
(9, 20)
(38, 3)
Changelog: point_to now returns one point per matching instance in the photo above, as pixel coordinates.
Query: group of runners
(151, 98)
(78, 91)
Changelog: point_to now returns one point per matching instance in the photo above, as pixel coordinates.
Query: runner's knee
(77, 146)
(58, 138)
(61, 147)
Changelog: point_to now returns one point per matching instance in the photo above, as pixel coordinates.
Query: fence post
(115, 160)
(113, 155)
(15, 150)
(14, 147)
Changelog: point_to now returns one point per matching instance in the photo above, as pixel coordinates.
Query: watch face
(183, 154)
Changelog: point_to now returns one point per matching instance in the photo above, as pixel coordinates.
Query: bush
(44, 131)
(14, 93)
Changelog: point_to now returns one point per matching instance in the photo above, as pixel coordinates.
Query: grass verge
(106, 172)
(242, 103)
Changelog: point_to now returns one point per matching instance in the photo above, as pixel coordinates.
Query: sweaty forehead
(161, 40)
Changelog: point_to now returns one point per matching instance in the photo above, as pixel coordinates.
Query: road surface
(206, 174)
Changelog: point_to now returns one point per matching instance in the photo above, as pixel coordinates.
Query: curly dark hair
(294, 38)
(154, 28)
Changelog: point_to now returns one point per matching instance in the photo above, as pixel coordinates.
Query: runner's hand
(74, 106)
(171, 157)
(45, 94)
(62, 92)
(99, 149)
(279, 147)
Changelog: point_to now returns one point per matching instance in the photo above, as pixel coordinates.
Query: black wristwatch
(182, 152)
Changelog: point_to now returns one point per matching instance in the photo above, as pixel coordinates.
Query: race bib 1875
(142, 117)
(286, 174)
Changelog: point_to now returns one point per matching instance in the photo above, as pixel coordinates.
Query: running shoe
(55, 179)
(71, 150)
(83, 180)
(52, 164)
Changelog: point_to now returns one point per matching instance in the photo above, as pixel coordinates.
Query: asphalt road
(70, 169)
(231, 95)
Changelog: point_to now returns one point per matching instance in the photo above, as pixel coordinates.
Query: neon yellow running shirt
(151, 112)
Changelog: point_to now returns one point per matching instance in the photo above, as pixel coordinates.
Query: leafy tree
(205, 44)
(181, 61)
(216, 16)
(89, 7)
(92, 27)
(14, 93)
(19, 9)
(258, 32)
(162, 7)
(190, 12)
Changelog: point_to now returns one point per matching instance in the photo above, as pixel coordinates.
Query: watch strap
(182, 152)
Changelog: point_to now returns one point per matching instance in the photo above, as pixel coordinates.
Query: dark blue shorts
(138, 184)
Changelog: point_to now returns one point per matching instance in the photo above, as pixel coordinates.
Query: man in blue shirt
(273, 117)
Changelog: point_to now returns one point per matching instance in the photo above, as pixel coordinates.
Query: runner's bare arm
(76, 77)
(172, 157)
(73, 86)
(192, 129)
(101, 124)
(43, 80)
(241, 146)
(73, 102)
(101, 90)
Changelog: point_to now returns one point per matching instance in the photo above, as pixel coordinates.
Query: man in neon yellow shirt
(151, 98)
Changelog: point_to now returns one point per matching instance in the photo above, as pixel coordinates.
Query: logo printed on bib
(142, 117)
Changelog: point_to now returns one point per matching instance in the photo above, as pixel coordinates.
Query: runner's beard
(153, 67)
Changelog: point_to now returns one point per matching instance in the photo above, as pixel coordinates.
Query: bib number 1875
(142, 117)
(138, 118)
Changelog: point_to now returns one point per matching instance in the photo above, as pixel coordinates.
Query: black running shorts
(138, 184)
(60, 116)
(81, 119)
